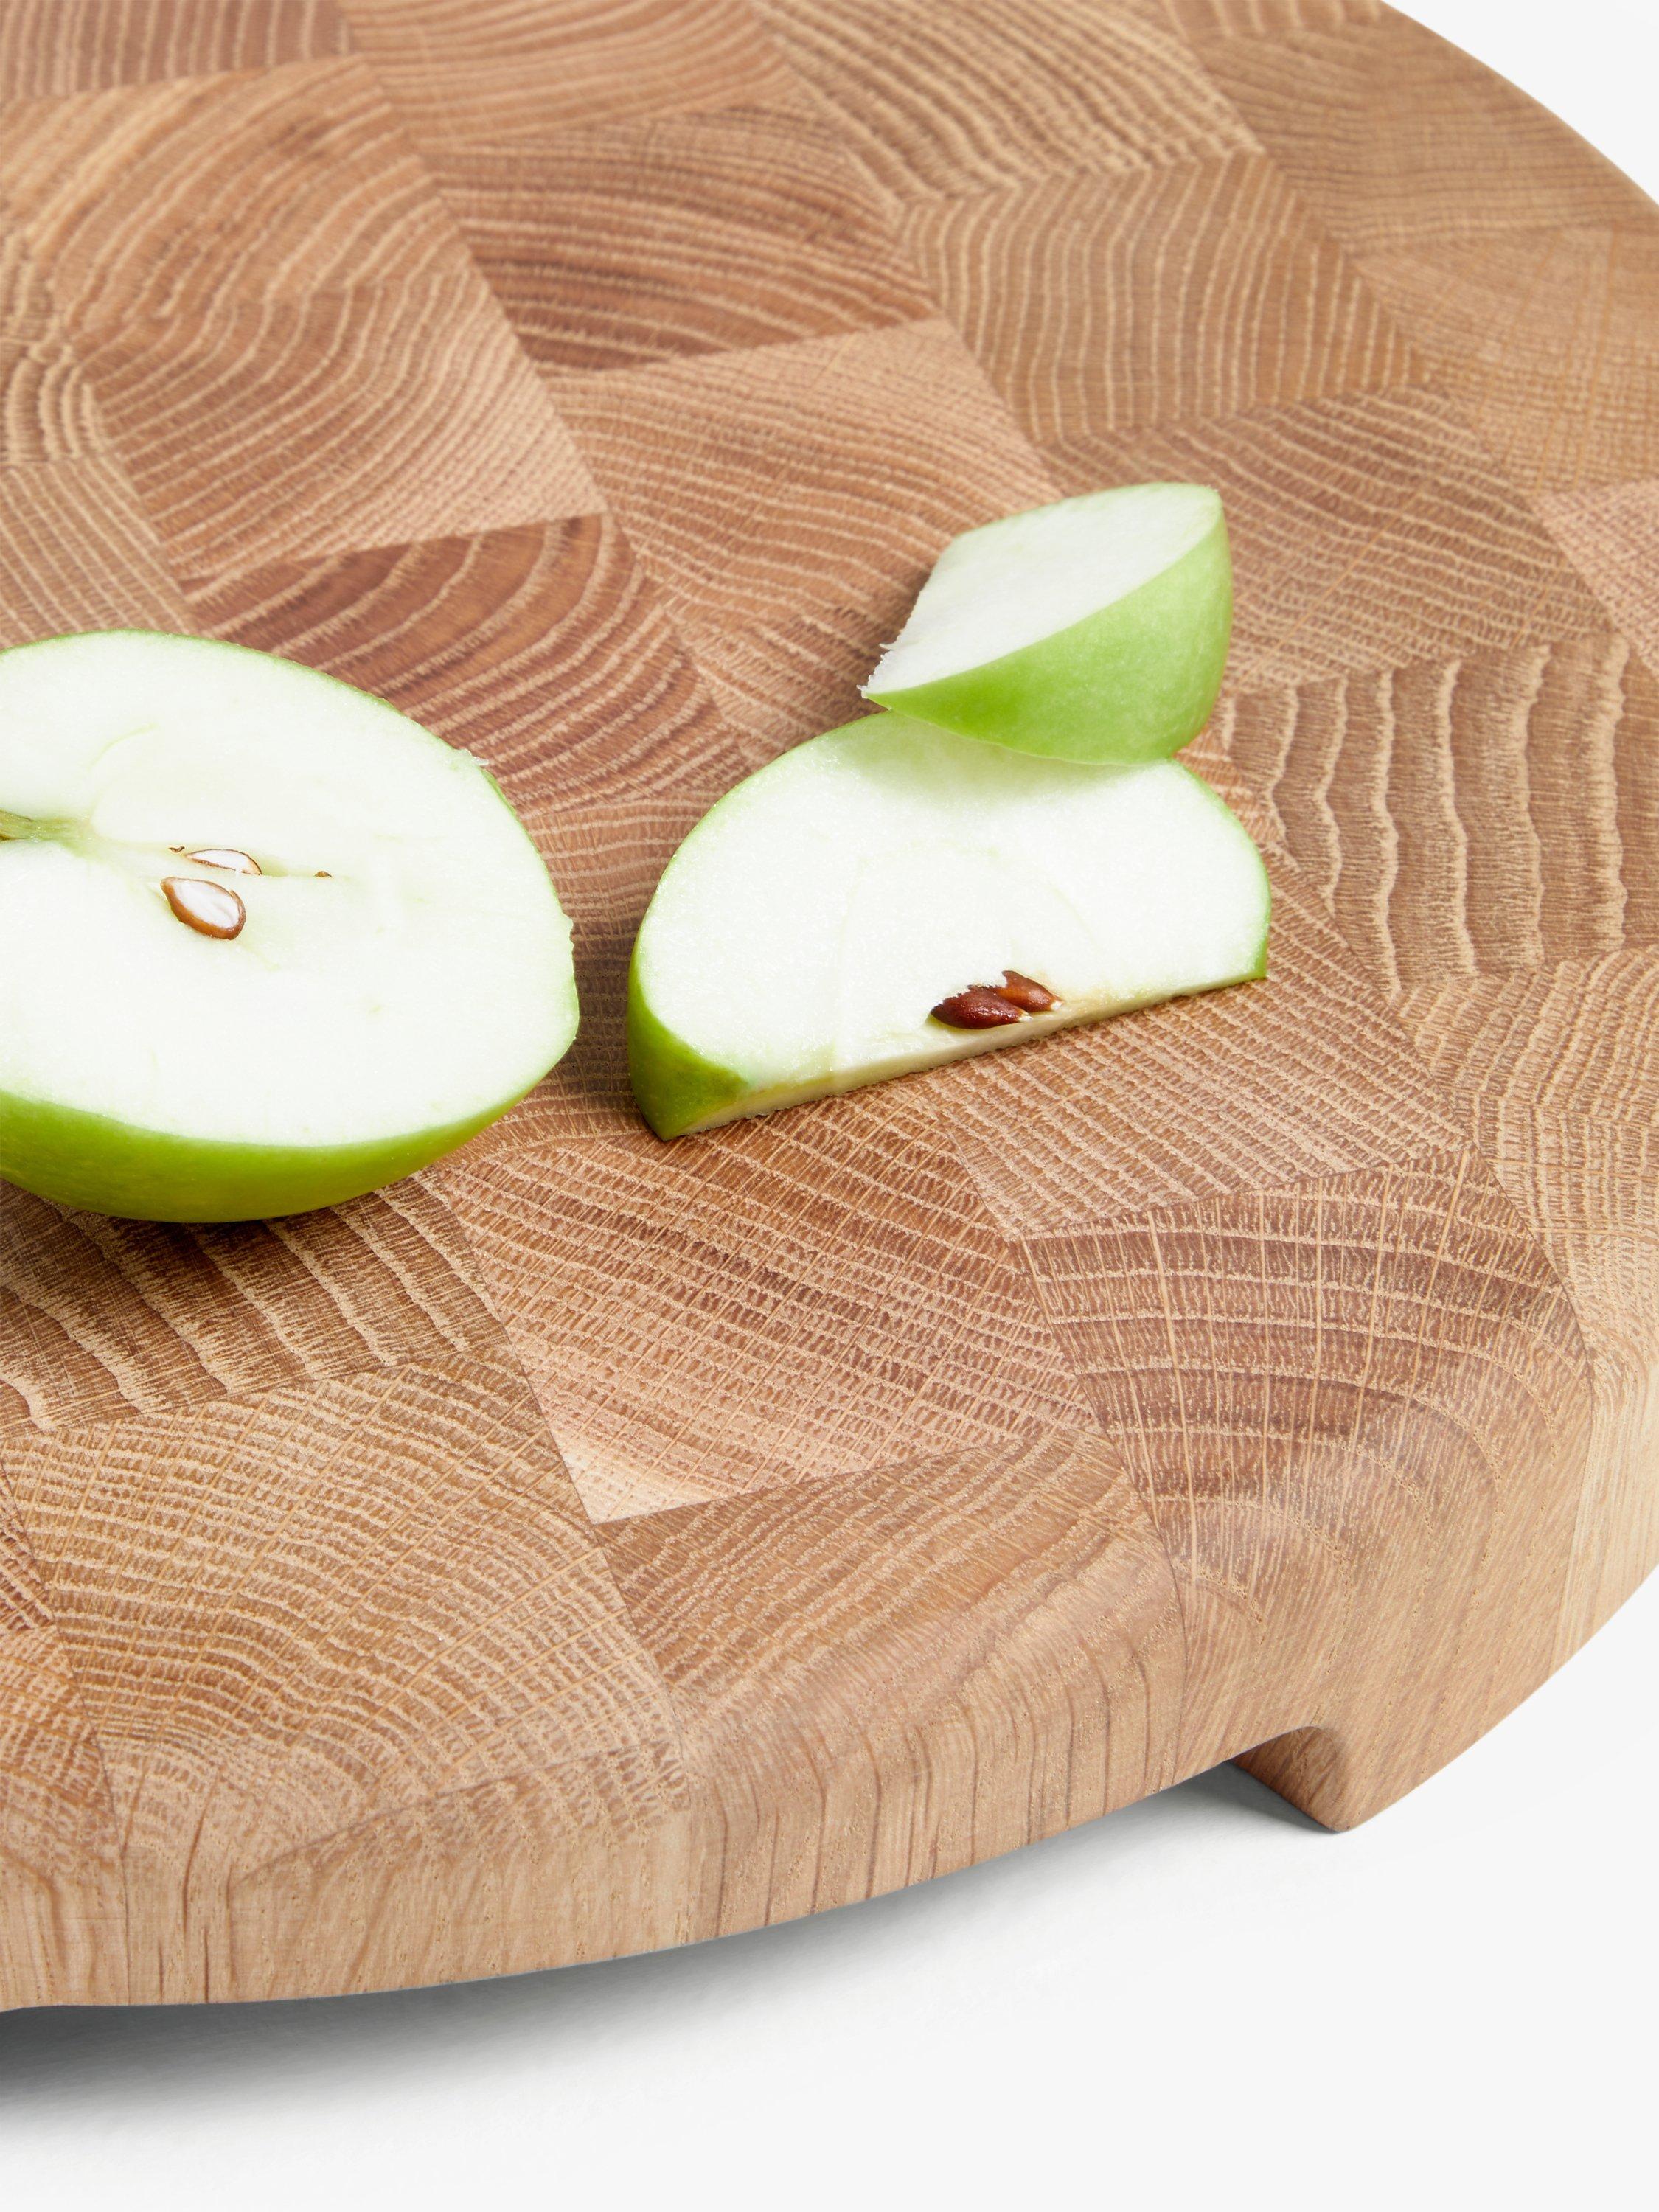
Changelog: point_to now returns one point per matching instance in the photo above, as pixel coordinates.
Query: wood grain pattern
(994, 92)
(1612, 536)
(643, 240)
(914, 1667)
(1555, 1066)
(500, 73)
(220, 1670)
(791, 1301)
(1472, 815)
(1220, 1096)
(474, 635)
(1396, 139)
(81, 553)
(1260, 18)
(58, 1836)
(1381, 1369)
(1545, 339)
(290, 370)
(1367, 531)
(1198, 291)
(589, 1544)
(57, 47)
(370, 424)
(168, 202)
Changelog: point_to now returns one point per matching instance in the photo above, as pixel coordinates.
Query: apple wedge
(269, 943)
(1095, 629)
(890, 895)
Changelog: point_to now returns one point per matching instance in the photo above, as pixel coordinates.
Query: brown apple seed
(978, 1007)
(210, 910)
(226, 856)
(1023, 991)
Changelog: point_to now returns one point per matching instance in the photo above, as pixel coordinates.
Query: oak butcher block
(591, 1543)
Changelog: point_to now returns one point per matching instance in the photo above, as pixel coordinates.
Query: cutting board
(592, 1544)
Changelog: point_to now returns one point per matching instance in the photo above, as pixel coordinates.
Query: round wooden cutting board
(594, 1544)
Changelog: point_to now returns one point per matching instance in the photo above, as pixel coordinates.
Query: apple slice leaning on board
(1095, 629)
(267, 943)
(890, 895)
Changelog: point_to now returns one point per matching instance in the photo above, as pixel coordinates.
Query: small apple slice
(1095, 629)
(269, 944)
(890, 895)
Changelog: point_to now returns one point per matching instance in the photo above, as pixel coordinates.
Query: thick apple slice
(267, 943)
(814, 930)
(1095, 629)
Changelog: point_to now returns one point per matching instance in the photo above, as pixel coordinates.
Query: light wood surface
(593, 1544)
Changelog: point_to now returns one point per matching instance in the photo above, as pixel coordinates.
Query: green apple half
(803, 934)
(1095, 629)
(401, 976)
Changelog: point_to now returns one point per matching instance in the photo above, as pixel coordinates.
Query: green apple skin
(1133, 681)
(675, 1087)
(98, 1165)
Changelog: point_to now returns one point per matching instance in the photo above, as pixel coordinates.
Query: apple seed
(1023, 992)
(980, 1006)
(211, 910)
(226, 856)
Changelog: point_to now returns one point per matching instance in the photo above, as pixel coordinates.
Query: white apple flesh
(267, 943)
(1095, 629)
(805, 933)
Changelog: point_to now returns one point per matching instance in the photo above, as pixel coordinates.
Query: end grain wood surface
(591, 1544)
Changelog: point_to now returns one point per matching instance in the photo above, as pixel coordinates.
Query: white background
(1203, 1999)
